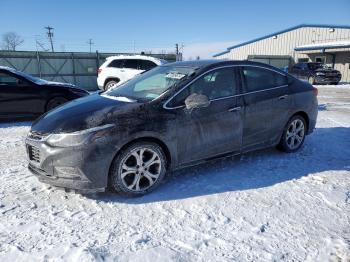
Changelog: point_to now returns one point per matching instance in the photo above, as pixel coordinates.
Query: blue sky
(203, 27)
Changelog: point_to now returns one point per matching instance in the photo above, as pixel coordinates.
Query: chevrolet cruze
(175, 115)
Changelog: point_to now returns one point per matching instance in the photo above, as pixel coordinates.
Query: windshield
(151, 84)
(314, 66)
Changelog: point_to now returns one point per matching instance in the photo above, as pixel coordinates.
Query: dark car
(25, 96)
(175, 115)
(316, 73)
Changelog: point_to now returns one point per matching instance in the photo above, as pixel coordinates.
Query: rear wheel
(293, 134)
(110, 83)
(138, 169)
(55, 102)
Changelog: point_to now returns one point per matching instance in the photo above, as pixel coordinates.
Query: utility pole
(90, 43)
(177, 51)
(50, 35)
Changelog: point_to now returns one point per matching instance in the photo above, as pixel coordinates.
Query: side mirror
(196, 101)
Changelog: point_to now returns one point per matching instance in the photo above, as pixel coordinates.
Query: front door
(213, 130)
(18, 97)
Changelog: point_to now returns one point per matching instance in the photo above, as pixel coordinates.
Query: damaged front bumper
(83, 168)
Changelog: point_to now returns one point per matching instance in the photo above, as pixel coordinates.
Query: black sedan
(172, 116)
(316, 73)
(23, 96)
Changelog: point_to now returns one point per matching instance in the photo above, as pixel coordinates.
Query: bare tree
(11, 40)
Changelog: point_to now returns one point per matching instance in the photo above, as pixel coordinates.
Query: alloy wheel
(110, 84)
(140, 169)
(295, 134)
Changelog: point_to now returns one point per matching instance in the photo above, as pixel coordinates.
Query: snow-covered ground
(263, 206)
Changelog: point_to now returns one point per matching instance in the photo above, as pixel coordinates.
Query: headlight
(78, 138)
(320, 74)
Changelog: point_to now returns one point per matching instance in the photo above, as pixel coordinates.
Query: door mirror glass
(196, 101)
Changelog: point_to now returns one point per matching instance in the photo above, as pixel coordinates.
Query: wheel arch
(151, 139)
(109, 79)
(53, 97)
(305, 116)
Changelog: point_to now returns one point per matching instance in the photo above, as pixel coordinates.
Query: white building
(329, 44)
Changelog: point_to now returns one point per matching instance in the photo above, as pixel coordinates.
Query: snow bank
(262, 206)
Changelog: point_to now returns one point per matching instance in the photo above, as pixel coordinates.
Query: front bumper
(84, 168)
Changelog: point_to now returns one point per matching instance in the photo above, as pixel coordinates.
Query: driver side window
(6, 79)
(219, 83)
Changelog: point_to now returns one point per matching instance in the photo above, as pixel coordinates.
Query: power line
(90, 43)
(50, 35)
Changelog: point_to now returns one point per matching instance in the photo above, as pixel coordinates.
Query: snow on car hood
(86, 112)
(52, 83)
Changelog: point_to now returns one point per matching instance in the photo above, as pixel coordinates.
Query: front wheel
(55, 102)
(293, 135)
(138, 169)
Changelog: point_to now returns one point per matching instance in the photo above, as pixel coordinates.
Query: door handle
(235, 109)
(282, 97)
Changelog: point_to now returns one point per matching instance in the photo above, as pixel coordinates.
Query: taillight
(315, 90)
(99, 70)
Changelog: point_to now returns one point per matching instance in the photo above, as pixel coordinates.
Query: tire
(55, 102)
(130, 175)
(110, 83)
(311, 80)
(292, 139)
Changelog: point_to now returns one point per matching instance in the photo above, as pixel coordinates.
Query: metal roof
(281, 32)
(321, 46)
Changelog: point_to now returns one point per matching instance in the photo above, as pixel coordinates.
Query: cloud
(205, 49)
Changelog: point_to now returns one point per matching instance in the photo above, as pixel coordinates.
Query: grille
(34, 153)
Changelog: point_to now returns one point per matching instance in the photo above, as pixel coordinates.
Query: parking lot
(261, 206)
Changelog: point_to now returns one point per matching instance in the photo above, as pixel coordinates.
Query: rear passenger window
(146, 65)
(131, 64)
(116, 63)
(257, 79)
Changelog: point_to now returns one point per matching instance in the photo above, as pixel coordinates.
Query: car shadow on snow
(325, 150)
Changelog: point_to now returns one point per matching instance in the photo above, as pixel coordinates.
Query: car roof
(142, 57)
(216, 62)
(7, 68)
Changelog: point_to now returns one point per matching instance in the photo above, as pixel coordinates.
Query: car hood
(83, 113)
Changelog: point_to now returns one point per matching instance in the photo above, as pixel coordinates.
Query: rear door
(213, 130)
(145, 65)
(266, 103)
(113, 69)
(130, 68)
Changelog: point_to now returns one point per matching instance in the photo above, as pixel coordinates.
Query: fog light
(69, 173)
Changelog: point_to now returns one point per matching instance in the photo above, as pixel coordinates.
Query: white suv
(118, 69)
